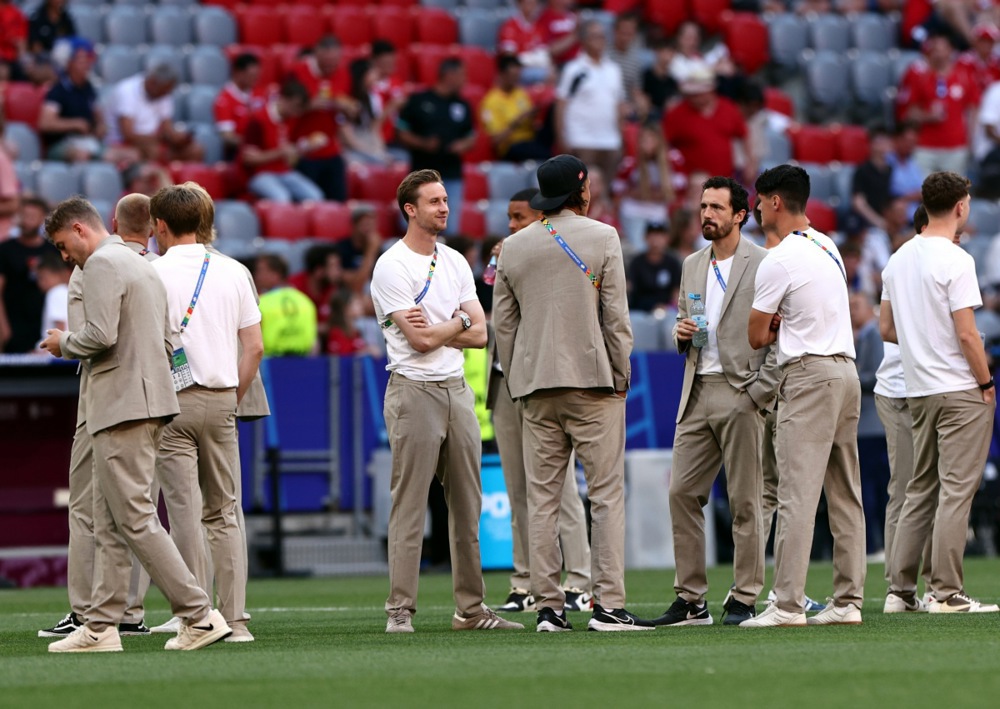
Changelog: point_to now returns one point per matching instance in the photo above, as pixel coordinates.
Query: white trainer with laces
(774, 617)
(83, 639)
(172, 626)
(837, 615)
(400, 622)
(202, 633)
(961, 602)
(894, 603)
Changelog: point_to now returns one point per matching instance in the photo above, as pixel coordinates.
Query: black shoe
(616, 619)
(518, 601)
(133, 628)
(578, 600)
(549, 621)
(735, 612)
(63, 628)
(683, 613)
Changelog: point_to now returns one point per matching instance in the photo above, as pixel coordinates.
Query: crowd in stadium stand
(301, 119)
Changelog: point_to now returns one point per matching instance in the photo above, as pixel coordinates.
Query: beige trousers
(508, 422)
(769, 471)
(125, 517)
(817, 451)
(951, 436)
(591, 422)
(433, 431)
(721, 426)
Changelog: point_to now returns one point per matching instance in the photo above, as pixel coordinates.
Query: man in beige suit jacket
(130, 396)
(728, 386)
(563, 333)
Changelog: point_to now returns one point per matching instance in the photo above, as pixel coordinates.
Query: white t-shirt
(591, 117)
(225, 306)
(129, 100)
(799, 280)
(927, 280)
(399, 277)
(890, 380)
(989, 115)
(56, 308)
(709, 361)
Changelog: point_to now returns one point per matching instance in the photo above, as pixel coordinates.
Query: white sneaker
(895, 603)
(400, 622)
(200, 634)
(773, 617)
(928, 599)
(172, 626)
(83, 639)
(962, 603)
(240, 634)
(837, 615)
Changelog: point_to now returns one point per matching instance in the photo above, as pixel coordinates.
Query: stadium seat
(179, 3)
(376, 183)
(647, 330)
(236, 221)
(22, 101)
(284, 221)
(829, 33)
(746, 36)
(208, 65)
(214, 25)
(479, 27)
(815, 144)
(822, 216)
(472, 220)
(106, 208)
(165, 54)
(89, 21)
(901, 62)
(449, 5)
(709, 13)
(852, 144)
(473, 95)
(126, 24)
(25, 139)
(171, 25)
(777, 100)
(352, 26)
(261, 25)
(208, 176)
(394, 24)
(778, 148)
(497, 223)
(787, 38)
(871, 75)
(476, 186)
(118, 62)
(101, 180)
(845, 183)
(480, 66)
(507, 178)
(668, 15)
(482, 150)
(822, 185)
(398, 3)
(305, 25)
(227, 4)
(199, 103)
(434, 26)
(207, 136)
(330, 220)
(56, 181)
(984, 218)
(872, 32)
(481, 4)
(25, 171)
(426, 58)
(827, 83)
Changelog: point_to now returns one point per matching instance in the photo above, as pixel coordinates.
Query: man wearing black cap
(564, 338)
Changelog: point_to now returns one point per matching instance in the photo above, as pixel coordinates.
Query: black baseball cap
(558, 178)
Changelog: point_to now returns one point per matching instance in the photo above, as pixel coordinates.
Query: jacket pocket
(104, 363)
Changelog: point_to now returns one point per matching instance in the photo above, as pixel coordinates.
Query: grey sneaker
(400, 622)
(210, 629)
(487, 620)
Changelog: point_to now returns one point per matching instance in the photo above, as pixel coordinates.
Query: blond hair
(205, 233)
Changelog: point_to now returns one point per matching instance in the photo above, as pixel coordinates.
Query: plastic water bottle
(696, 311)
(490, 272)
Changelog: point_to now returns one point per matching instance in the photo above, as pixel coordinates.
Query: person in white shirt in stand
(53, 279)
(801, 302)
(929, 294)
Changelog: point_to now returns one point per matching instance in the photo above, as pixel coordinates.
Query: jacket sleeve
(506, 317)
(616, 326)
(103, 291)
(682, 346)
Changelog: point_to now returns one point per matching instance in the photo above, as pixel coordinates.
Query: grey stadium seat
(984, 216)
(479, 27)
(778, 148)
(845, 183)
(106, 209)
(822, 184)
(827, 82)
(236, 221)
(118, 62)
(56, 181)
(214, 25)
(482, 4)
(901, 62)
(25, 172)
(100, 180)
(871, 75)
(787, 37)
(208, 138)
(171, 25)
(208, 65)
(451, 5)
(89, 21)
(199, 104)
(179, 3)
(829, 32)
(873, 32)
(126, 24)
(647, 331)
(505, 179)
(496, 217)
(24, 137)
(165, 54)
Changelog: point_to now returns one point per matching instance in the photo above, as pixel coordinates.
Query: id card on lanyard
(180, 368)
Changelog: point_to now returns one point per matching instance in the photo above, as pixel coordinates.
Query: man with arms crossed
(929, 293)
(425, 299)
(727, 388)
(801, 302)
(129, 398)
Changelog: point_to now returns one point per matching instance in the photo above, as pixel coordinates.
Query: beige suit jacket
(125, 338)
(553, 328)
(744, 367)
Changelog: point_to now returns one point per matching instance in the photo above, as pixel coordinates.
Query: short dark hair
(381, 47)
(316, 256)
(74, 209)
(54, 262)
(904, 127)
(941, 191)
(757, 216)
(878, 130)
(790, 182)
(524, 195)
(739, 200)
(460, 243)
(295, 91)
(407, 191)
(574, 201)
(328, 41)
(179, 207)
(276, 263)
(448, 65)
(245, 60)
(506, 61)
(628, 16)
(920, 219)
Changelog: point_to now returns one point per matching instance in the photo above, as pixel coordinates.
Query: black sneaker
(63, 628)
(133, 628)
(617, 619)
(735, 612)
(549, 621)
(578, 600)
(518, 601)
(684, 613)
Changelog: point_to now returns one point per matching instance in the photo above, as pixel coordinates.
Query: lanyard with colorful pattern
(572, 254)
(197, 291)
(827, 251)
(427, 285)
(718, 274)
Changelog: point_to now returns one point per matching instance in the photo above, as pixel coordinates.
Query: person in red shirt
(238, 99)
(559, 26)
(270, 151)
(344, 337)
(388, 87)
(703, 126)
(939, 95)
(322, 277)
(982, 61)
(524, 36)
(13, 39)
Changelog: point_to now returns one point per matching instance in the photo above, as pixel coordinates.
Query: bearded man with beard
(728, 387)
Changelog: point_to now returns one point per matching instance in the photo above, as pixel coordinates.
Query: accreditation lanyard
(427, 286)
(826, 251)
(718, 274)
(197, 292)
(572, 254)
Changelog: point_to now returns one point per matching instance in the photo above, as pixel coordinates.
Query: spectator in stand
(48, 23)
(389, 87)
(323, 276)
(508, 115)
(71, 122)
(940, 96)
(523, 36)
(359, 252)
(329, 86)
(590, 104)
(601, 207)
(146, 178)
(879, 244)
(53, 280)
(689, 59)
(269, 153)
(142, 118)
(558, 21)
(659, 87)
(703, 126)
(982, 61)
(436, 126)
(626, 52)
(363, 136)
(986, 143)
(760, 119)
(287, 315)
(685, 234)
(238, 100)
(13, 39)
(10, 187)
(345, 337)
(871, 185)
(654, 275)
(907, 175)
(645, 186)
(21, 300)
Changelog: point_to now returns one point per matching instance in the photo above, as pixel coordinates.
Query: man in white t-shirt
(929, 294)
(801, 303)
(212, 313)
(727, 388)
(425, 299)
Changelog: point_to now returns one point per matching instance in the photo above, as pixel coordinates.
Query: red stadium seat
(390, 219)
(425, 60)
(815, 144)
(284, 221)
(668, 14)
(777, 100)
(398, 3)
(822, 216)
(260, 25)
(472, 220)
(376, 183)
(709, 13)
(473, 93)
(394, 24)
(435, 26)
(351, 25)
(228, 4)
(330, 220)
(22, 102)
(482, 151)
(620, 6)
(852, 144)
(305, 25)
(476, 185)
(480, 66)
(211, 177)
(746, 36)
(630, 138)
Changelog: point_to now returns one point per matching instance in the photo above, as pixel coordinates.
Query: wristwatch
(988, 385)
(466, 321)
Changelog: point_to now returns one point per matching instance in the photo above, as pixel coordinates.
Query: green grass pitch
(321, 643)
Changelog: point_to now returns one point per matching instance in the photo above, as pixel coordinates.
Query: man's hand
(686, 329)
(51, 342)
(775, 322)
(415, 316)
(622, 394)
(990, 396)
